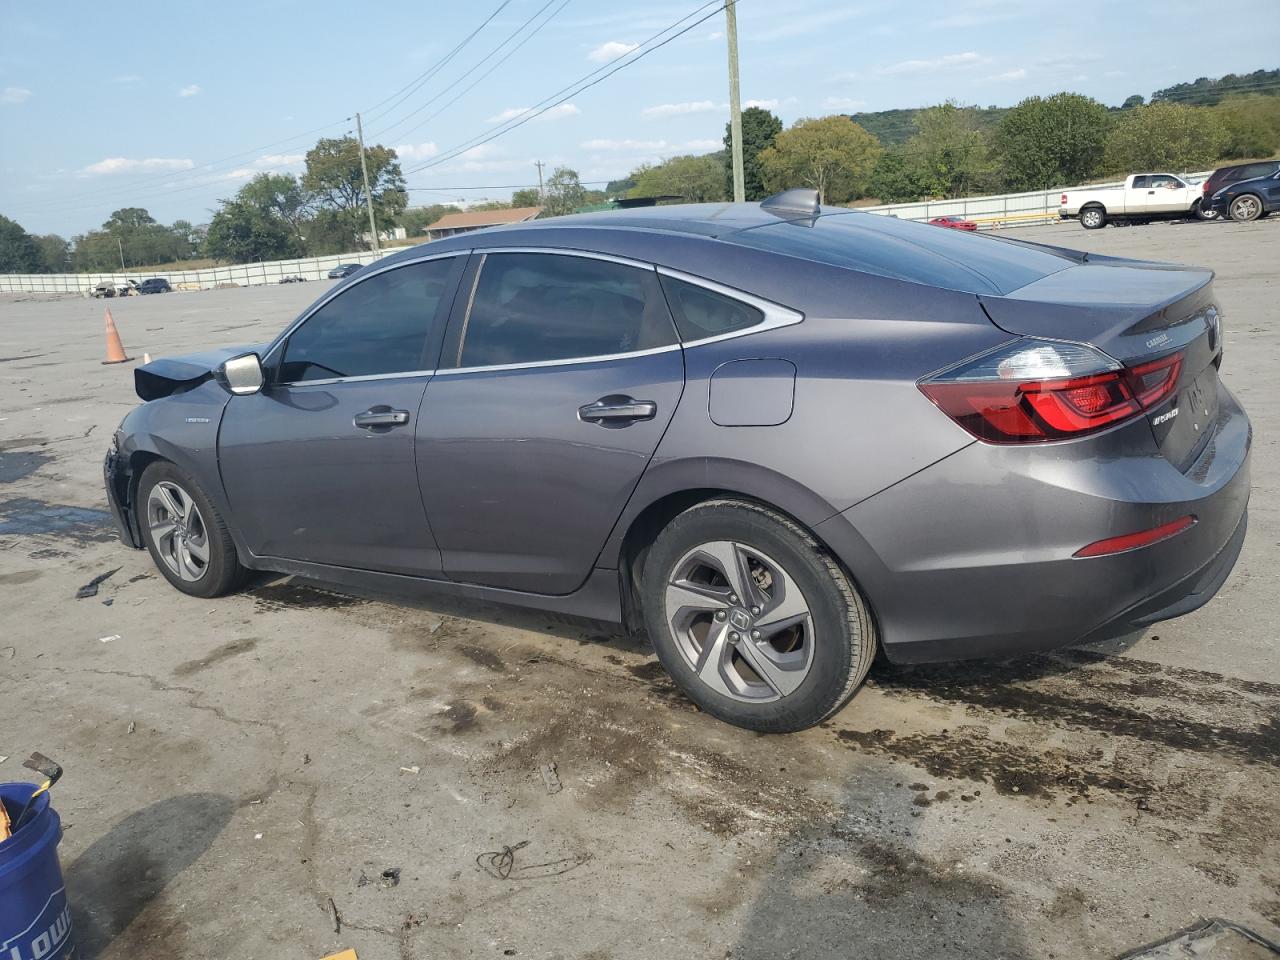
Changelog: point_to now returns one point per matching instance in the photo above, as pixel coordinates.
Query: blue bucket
(35, 923)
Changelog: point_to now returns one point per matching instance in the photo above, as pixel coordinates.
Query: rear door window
(700, 313)
(377, 326)
(543, 307)
(1141, 182)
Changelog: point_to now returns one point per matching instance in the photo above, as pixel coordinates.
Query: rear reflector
(1132, 541)
(1034, 390)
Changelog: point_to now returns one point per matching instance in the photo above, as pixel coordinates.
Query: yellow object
(344, 955)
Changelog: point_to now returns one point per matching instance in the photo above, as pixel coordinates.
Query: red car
(955, 223)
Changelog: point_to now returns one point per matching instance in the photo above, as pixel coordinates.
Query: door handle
(381, 417)
(617, 411)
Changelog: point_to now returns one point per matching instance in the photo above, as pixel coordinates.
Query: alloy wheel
(1091, 218)
(178, 530)
(1245, 208)
(740, 621)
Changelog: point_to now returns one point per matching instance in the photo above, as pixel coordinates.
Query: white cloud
(273, 160)
(610, 50)
(128, 165)
(843, 103)
(1019, 74)
(555, 113)
(715, 35)
(14, 95)
(190, 90)
(665, 147)
(947, 62)
(676, 109)
(416, 151)
(762, 104)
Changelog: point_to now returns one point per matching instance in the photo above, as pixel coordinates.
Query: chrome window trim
(316, 307)
(775, 316)
(571, 252)
(329, 381)
(571, 361)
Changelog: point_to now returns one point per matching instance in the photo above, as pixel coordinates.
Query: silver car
(773, 438)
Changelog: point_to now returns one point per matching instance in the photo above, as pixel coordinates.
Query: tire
(1245, 208)
(1205, 214)
(801, 649)
(1093, 218)
(165, 492)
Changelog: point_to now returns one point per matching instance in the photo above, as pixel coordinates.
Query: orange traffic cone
(115, 349)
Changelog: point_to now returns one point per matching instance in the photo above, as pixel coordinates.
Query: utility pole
(539, 165)
(735, 103)
(120, 247)
(368, 196)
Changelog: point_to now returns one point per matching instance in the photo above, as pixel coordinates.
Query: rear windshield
(917, 252)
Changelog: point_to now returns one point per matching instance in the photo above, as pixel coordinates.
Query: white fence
(1009, 209)
(241, 275)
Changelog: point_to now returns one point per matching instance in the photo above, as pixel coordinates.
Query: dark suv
(155, 285)
(1225, 176)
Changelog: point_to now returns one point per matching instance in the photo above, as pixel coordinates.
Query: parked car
(1143, 197)
(1225, 176)
(343, 270)
(775, 437)
(116, 288)
(1247, 200)
(155, 285)
(293, 279)
(954, 223)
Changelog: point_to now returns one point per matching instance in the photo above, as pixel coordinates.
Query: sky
(175, 105)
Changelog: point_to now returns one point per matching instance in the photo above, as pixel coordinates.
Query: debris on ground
(1212, 939)
(132, 727)
(345, 954)
(114, 636)
(9, 652)
(90, 589)
(335, 916)
(391, 877)
(550, 777)
(3, 759)
(414, 769)
(499, 863)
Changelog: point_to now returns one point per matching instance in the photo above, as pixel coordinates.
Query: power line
(413, 85)
(503, 59)
(578, 86)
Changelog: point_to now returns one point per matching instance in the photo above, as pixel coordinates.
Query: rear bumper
(972, 557)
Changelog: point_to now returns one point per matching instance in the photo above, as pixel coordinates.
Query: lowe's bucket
(35, 923)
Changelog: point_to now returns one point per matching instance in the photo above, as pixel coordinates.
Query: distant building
(455, 223)
(386, 236)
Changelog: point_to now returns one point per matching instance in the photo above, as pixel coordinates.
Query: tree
(243, 232)
(760, 130)
(54, 253)
(333, 177)
(135, 234)
(1251, 125)
(280, 195)
(833, 155)
(1049, 141)
(1165, 136)
(18, 251)
(696, 179)
(1136, 100)
(526, 197)
(563, 193)
(897, 179)
(949, 154)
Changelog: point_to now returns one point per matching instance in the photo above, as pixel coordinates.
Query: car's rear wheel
(753, 619)
(1093, 218)
(186, 536)
(1246, 207)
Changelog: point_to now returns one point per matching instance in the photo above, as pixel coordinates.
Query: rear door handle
(381, 417)
(617, 410)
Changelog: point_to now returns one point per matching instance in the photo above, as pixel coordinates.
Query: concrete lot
(238, 768)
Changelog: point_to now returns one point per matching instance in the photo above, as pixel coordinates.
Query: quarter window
(538, 307)
(377, 326)
(702, 313)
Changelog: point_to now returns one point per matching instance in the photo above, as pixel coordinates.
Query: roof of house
(485, 218)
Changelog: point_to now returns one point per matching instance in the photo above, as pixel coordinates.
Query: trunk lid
(1135, 312)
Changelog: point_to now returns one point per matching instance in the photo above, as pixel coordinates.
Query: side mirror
(242, 375)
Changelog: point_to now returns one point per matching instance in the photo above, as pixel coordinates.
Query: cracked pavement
(235, 766)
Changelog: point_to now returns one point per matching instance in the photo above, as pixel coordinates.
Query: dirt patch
(460, 716)
(18, 465)
(25, 516)
(294, 595)
(482, 656)
(228, 650)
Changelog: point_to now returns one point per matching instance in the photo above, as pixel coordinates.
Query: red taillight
(1063, 201)
(1036, 390)
(1132, 541)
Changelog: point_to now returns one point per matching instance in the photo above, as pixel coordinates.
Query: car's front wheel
(753, 619)
(1246, 207)
(185, 534)
(1203, 212)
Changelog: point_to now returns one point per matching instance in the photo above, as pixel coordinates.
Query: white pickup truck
(1144, 196)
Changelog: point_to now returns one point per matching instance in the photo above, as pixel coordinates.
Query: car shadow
(119, 875)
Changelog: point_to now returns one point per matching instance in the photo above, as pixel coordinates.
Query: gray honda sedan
(771, 437)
